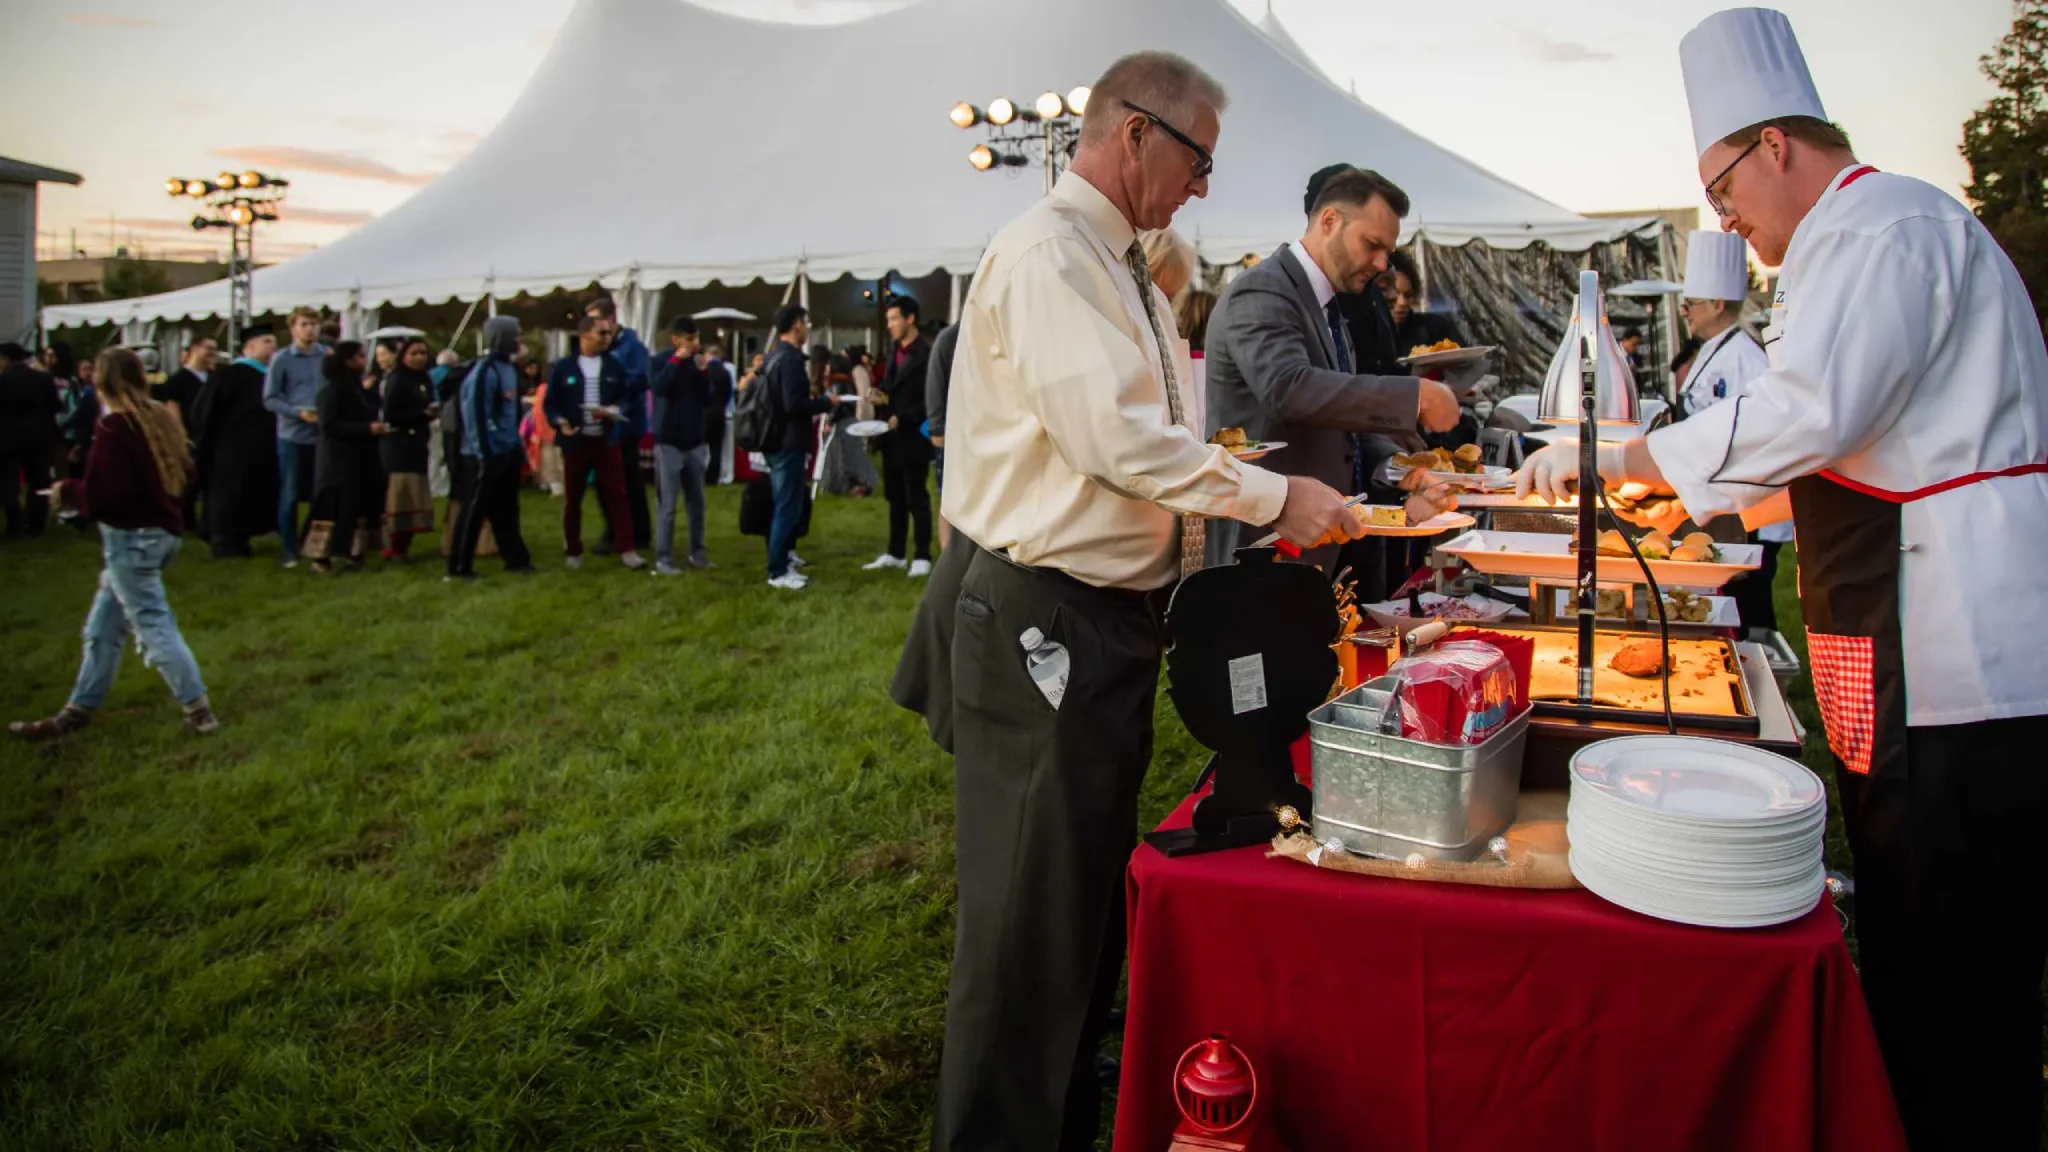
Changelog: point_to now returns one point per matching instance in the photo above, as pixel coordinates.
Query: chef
(1716, 284)
(1716, 287)
(1905, 414)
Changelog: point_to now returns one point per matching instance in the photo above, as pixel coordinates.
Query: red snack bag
(1460, 692)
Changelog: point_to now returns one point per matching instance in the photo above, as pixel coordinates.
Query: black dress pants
(714, 435)
(906, 459)
(24, 473)
(1752, 591)
(1952, 933)
(493, 496)
(1046, 810)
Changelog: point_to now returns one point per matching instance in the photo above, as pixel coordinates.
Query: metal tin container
(1381, 795)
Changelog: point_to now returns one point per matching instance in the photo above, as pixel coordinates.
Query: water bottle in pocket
(1047, 662)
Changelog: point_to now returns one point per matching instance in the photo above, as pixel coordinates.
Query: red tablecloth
(1395, 1015)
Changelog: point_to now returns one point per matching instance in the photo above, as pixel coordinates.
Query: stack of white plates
(1697, 831)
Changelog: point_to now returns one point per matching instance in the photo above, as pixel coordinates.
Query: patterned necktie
(1193, 529)
(1335, 316)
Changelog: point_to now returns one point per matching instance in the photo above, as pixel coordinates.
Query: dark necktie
(1335, 316)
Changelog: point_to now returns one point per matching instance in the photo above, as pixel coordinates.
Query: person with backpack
(774, 418)
(488, 406)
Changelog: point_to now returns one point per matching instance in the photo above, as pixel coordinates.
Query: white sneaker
(920, 568)
(796, 561)
(573, 562)
(664, 568)
(633, 560)
(883, 562)
(789, 580)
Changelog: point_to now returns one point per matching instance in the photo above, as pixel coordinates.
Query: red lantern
(1217, 1091)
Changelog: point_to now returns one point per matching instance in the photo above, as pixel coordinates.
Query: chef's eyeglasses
(1713, 197)
(1204, 162)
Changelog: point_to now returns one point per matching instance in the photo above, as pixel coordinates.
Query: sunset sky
(360, 105)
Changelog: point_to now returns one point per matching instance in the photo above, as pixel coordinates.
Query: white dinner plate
(1691, 778)
(867, 429)
(1441, 522)
(1255, 450)
(1450, 357)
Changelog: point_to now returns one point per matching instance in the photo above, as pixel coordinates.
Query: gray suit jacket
(1271, 368)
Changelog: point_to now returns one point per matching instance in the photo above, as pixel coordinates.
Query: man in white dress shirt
(1074, 464)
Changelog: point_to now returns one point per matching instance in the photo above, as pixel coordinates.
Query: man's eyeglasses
(1713, 197)
(1204, 162)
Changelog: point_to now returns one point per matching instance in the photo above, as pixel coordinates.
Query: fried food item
(1229, 437)
(1655, 546)
(1385, 516)
(1444, 345)
(1466, 459)
(1639, 658)
(1687, 608)
(1611, 602)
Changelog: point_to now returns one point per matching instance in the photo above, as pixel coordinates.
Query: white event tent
(849, 164)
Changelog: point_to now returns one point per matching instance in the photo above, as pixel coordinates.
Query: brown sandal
(64, 723)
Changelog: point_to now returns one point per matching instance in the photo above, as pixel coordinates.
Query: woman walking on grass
(409, 410)
(133, 478)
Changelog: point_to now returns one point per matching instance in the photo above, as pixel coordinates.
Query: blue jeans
(294, 487)
(131, 598)
(679, 473)
(786, 476)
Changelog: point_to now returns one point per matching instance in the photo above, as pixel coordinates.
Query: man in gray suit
(1281, 357)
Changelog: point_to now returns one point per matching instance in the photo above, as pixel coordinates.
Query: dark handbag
(757, 509)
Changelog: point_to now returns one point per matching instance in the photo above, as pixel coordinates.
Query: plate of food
(1681, 606)
(1392, 520)
(1461, 468)
(1550, 556)
(1473, 609)
(1233, 441)
(1446, 354)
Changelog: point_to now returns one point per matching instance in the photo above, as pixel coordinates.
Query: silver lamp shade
(1589, 336)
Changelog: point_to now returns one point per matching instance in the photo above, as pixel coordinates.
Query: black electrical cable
(1656, 599)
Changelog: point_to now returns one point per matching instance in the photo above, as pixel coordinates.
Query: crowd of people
(337, 447)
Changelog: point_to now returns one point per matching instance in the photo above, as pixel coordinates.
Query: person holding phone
(586, 391)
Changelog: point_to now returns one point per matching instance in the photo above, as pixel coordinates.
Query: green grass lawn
(585, 859)
(581, 860)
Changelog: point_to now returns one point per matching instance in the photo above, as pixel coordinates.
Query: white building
(18, 181)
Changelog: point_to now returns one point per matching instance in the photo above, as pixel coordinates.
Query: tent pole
(1422, 268)
(1667, 256)
(457, 338)
(953, 308)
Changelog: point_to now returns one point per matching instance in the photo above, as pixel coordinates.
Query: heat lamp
(1591, 369)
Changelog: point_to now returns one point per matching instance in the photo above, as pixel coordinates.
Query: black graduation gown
(406, 397)
(237, 456)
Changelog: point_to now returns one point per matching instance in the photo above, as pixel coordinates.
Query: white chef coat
(1904, 354)
(1719, 370)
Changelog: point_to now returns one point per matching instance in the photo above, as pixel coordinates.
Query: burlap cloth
(1536, 853)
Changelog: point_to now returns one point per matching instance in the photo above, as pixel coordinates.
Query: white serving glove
(1551, 471)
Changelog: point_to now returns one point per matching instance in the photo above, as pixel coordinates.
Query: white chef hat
(1716, 266)
(1743, 66)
